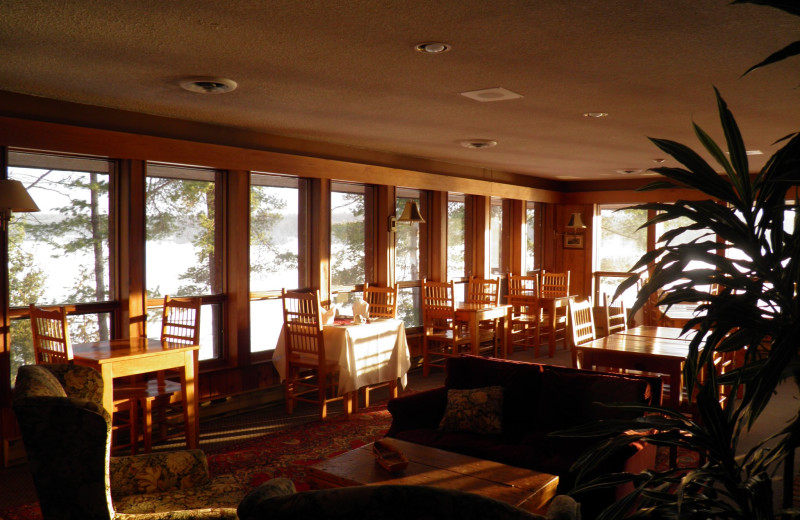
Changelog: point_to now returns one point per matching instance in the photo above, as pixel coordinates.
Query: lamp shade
(14, 197)
(576, 221)
(411, 213)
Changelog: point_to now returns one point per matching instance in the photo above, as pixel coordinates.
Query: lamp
(410, 215)
(13, 197)
(576, 221)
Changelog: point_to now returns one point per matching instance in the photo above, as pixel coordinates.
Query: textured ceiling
(346, 72)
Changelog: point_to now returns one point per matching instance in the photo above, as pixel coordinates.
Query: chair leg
(147, 429)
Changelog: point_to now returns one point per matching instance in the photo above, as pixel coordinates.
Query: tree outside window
(60, 255)
(348, 242)
(181, 244)
(496, 244)
(274, 246)
(619, 245)
(456, 223)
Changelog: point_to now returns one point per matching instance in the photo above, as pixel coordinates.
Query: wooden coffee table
(427, 466)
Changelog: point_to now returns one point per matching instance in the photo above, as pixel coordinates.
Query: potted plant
(753, 310)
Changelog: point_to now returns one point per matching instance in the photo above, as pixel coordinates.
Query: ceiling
(346, 72)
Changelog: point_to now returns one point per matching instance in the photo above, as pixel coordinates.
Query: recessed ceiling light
(432, 47)
(628, 171)
(209, 85)
(754, 152)
(478, 144)
(491, 94)
(596, 115)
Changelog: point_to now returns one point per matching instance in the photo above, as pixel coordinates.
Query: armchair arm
(416, 411)
(157, 472)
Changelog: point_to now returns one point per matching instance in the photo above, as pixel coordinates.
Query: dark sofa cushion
(571, 397)
(478, 410)
(521, 382)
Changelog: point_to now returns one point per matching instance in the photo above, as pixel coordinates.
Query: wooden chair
(485, 291)
(382, 301)
(444, 337)
(581, 324)
(52, 345)
(308, 371)
(610, 317)
(525, 321)
(382, 304)
(554, 287)
(521, 285)
(180, 324)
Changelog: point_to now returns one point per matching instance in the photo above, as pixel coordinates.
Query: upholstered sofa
(274, 501)
(535, 400)
(66, 433)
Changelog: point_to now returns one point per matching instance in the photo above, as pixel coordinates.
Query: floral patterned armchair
(67, 437)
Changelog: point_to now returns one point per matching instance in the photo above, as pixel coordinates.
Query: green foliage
(793, 49)
(755, 312)
(348, 244)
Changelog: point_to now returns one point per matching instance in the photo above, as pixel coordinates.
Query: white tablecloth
(368, 354)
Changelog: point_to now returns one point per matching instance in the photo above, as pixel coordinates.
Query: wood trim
(382, 240)
(319, 236)
(73, 139)
(5, 320)
(236, 225)
(131, 283)
(436, 224)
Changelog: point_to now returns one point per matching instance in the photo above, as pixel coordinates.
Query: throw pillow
(478, 410)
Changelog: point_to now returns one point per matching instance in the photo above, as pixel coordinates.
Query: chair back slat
(438, 305)
(554, 285)
(616, 315)
(382, 301)
(521, 285)
(581, 322)
(180, 320)
(483, 290)
(302, 324)
(50, 333)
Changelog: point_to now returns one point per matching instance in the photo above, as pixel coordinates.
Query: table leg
(191, 414)
(107, 374)
(552, 338)
(473, 328)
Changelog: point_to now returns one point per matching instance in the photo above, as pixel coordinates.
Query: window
(456, 223)
(61, 254)
(348, 240)
(532, 232)
(274, 253)
(620, 244)
(181, 248)
(407, 262)
(496, 244)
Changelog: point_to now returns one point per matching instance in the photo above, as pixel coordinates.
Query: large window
(181, 249)
(61, 254)
(532, 232)
(456, 224)
(348, 242)
(620, 244)
(407, 262)
(496, 244)
(274, 253)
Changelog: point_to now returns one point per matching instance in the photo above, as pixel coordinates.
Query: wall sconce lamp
(576, 222)
(13, 197)
(410, 215)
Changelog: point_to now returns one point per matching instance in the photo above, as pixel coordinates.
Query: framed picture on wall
(573, 241)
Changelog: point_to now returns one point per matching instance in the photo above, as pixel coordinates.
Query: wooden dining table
(135, 356)
(643, 349)
(367, 353)
(474, 313)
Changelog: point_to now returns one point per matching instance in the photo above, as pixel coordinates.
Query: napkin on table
(361, 308)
